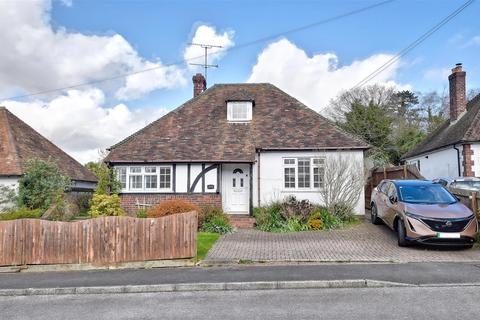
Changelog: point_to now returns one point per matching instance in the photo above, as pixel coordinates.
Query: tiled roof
(19, 142)
(199, 131)
(465, 129)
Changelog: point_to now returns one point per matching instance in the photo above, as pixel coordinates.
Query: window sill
(301, 190)
(148, 191)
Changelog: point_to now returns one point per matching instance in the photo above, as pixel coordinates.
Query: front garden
(293, 215)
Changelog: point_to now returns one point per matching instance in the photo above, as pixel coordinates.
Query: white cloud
(317, 79)
(79, 121)
(208, 35)
(437, 74)
(474, 41)
(37, 57)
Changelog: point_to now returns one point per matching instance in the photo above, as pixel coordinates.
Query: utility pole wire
(247, 44)
(414, 44)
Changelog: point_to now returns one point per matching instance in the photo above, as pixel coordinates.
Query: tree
(41, 185)
(344, 180)
(107, 180)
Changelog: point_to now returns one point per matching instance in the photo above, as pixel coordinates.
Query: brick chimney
(199, 84)
(458, 96)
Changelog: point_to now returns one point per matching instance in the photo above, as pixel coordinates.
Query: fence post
(405, 175)
(384, 172)
(474, 203)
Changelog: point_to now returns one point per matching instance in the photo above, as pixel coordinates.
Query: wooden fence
(100, 241)
(378, 174)
(468, 198)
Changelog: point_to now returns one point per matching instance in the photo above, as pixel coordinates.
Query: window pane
(289, 161)
(289, 177)
(318, 177)
(165, 175)
(122, 177)
(150, 182)
(239, 110)
(150, 169)
(304, 173)
(135, 169)
(234, 182)
(135, 182)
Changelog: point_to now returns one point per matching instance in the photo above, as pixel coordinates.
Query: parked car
(464, 183)
(423, 212)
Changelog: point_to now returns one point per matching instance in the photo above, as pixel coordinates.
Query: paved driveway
(362, 243)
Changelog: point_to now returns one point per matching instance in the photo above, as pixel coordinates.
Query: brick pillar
(468, 161)
(199, 84)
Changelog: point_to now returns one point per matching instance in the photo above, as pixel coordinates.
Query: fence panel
(100, 241)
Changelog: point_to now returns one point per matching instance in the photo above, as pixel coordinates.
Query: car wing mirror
(392, 199)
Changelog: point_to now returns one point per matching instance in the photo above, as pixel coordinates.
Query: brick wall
(129, 200)
(468, 161)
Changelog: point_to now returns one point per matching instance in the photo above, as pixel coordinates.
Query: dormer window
(239, 111)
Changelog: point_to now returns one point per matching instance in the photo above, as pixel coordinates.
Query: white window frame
(143, 173)
(319, 164)
(230, 111)
(291, 165)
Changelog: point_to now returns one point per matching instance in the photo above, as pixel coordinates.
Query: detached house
(453, 150)
(236, 146)
(19, 143)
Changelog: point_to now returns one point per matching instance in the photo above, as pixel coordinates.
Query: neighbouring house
(453, 150)
(19, 142)
(235, 146)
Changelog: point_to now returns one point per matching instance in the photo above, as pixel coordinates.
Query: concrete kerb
(222, 286)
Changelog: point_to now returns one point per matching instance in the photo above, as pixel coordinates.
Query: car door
(391, 203)
(381, 199)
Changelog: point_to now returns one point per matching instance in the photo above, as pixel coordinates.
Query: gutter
(458, 160)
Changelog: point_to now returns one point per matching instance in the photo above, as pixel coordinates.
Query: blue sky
(53, 44)
(162, 28)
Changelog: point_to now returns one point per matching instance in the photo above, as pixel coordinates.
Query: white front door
(236, 187)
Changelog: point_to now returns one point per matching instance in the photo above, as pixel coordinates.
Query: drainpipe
(458, 160)
(258, 178)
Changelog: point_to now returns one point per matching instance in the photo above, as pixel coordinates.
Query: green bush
(107, 179)
(329, 220)
(21, 213)
(207, 213)
(217, 224)
(269, 218)
(105, 205)
(343, 211)
(142, 213)
(294, 224)
(41, 185)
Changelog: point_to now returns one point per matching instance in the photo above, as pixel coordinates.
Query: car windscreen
(426, 194)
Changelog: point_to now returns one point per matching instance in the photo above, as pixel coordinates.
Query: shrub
(217, 224)
(269, 218)
(21, 213)
(343, 211)
(173, 206)
(315, 224)
(42, 185)
(208, 213)
(141, 213)
(329, 221)
(214, 220)
(105, 205)
(299, 210)
(107, 180)
(294, 224)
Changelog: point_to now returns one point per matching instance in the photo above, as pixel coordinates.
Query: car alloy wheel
(402, 242)
(374, 215)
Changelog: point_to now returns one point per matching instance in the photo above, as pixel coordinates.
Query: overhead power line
(414, 44)
(247, 44)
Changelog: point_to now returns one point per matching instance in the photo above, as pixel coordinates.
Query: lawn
(205, 241)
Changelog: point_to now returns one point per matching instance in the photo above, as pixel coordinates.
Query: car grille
(443, 225)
